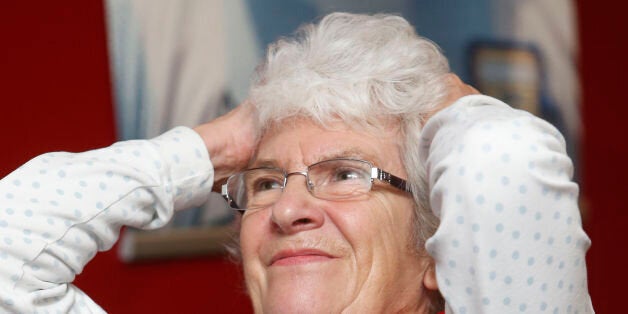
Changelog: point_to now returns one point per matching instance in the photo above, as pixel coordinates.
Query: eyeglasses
(334, 179)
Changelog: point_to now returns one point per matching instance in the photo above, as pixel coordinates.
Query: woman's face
(304, 254)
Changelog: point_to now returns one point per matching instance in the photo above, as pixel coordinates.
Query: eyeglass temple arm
(391, 179)
(225, 195)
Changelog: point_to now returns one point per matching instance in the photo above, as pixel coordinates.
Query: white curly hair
(363, 70)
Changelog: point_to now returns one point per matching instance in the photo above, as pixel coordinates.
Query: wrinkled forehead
(299, 142)
(358, 122)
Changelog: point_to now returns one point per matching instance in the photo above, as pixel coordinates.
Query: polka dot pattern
(520, 234)
(59, 209)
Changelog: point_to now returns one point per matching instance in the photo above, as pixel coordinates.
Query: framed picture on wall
(509, 71)
(514, 72)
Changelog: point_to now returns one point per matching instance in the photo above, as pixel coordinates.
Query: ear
(429, 278)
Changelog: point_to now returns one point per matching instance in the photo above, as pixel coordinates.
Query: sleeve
(59, 209)
(510, 237)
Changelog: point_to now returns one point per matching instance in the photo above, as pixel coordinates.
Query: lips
(296, 257)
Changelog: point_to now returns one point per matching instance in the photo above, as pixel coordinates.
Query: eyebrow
(350, 152)
(263, 163)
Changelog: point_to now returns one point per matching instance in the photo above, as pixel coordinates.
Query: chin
(304, 298)
(303, 288)
(303, 303)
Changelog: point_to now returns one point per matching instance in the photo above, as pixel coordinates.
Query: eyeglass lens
(337, 179)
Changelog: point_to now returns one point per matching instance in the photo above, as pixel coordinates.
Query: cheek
(251, 233)
(380, 225)
(395, 213)
(251, 239)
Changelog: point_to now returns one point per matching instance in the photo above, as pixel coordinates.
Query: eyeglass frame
(376, 173)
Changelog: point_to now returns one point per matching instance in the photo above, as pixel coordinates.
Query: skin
(352, 232)
(231, 139)
(307, 255)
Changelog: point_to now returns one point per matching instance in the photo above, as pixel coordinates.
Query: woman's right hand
(230, 140)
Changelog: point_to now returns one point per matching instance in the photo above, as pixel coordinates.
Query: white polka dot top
(510, 238)
(59, 209)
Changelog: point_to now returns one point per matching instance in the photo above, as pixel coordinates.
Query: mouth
(297, 257)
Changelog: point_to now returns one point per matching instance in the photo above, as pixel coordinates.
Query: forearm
(510, 236)
(61, 208)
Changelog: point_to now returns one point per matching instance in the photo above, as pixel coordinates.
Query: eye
(266, 184)
(347, 174)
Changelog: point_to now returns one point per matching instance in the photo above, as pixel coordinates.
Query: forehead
(301, 142)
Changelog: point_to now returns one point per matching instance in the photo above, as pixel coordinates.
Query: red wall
(55, 93)
(54, 80)
(604, 66)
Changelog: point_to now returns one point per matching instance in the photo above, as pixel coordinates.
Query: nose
(296, 209)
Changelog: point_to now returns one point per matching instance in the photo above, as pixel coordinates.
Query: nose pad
(296, 209)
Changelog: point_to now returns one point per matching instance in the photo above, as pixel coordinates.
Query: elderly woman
(341, 164)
